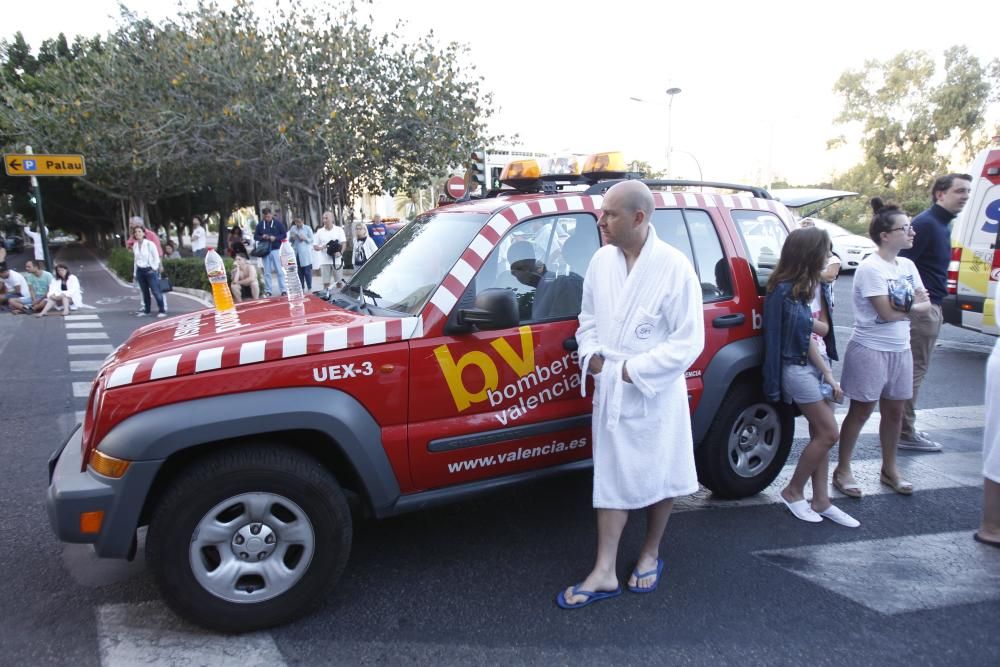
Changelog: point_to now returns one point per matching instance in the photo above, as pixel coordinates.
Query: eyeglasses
(905, 228)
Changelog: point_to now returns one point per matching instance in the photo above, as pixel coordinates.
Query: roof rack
(602, 187)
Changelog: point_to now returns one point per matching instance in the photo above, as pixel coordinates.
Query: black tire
(747, 444)
(297, 492)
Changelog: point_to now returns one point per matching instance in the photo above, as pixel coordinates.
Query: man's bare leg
(610, 524)
(657, 516)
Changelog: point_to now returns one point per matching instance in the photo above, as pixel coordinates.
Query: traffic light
(477, 165)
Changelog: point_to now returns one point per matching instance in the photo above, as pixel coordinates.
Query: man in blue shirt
(931, 252)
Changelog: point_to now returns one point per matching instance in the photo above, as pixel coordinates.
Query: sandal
(900, 486)
(849, 488)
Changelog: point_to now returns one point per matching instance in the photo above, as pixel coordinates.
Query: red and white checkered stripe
(454, 284)
(230, 355)
(712, 200)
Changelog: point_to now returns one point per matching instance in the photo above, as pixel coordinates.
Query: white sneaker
(920, 443)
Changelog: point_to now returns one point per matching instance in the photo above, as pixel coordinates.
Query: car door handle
(570, 344)
(729, 321)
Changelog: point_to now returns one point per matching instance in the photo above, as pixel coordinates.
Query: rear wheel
(747, 444)
(249, 538)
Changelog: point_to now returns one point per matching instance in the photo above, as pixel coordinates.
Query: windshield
(404, 272)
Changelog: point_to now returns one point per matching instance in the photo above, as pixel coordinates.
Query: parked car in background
(850, 248)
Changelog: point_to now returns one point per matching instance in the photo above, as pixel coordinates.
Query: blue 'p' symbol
(992, 224)
(30, 165)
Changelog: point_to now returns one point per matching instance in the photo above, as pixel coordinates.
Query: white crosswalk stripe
(87, 335)
(91, 349)
(148, 634)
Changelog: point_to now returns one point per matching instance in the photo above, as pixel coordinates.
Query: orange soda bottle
(216, 271)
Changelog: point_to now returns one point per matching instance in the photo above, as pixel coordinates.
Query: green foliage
(912, 122)
(190, 272)
(306, 100)
(120, 261)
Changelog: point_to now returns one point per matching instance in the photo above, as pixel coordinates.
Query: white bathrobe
(652, 319)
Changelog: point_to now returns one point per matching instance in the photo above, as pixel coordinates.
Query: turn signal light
(90, 522)
(108, 466)
(605, 165)
(520, 170)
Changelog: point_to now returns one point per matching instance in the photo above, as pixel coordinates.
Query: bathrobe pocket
(643, 331)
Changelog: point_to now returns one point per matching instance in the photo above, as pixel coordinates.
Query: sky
(756, 78)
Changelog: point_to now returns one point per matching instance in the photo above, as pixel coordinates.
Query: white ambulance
(975, 265)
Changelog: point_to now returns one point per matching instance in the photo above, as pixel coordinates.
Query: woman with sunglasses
(878, 366)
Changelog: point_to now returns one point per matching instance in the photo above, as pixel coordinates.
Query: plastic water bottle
(216, 271)
(286, 255)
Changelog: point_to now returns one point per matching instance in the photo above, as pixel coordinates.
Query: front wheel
(747, 444)
(249, 538)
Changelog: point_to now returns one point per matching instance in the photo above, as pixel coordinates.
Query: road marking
(77, 318)
(81, 389)
(87, 335)
(925, 471)
(929, 419)
(84, 325)
(899, 574)
(147, 633)
(91, 349)
(82, 365)
(79, 415)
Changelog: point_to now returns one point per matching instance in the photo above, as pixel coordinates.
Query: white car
(849, 247)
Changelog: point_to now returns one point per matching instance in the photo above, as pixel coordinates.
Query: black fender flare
(158, 433)
(729, 362)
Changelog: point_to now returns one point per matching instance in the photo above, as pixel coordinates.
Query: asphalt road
(474, 583)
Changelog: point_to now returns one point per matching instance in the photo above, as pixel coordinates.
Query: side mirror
(495, 308)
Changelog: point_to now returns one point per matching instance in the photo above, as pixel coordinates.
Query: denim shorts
(801, 384)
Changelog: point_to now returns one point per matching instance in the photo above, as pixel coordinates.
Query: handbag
(261, 249)
(333, 248)
(165, 284)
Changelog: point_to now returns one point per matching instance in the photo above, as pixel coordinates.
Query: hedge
(189, 272)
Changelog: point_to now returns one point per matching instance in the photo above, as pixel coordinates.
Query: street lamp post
(671, 92)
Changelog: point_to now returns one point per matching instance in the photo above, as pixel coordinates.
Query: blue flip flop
(641, 575)
(592, 597)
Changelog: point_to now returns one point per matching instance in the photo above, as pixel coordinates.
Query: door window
(543, 261)
(692, 232)
(762, 234)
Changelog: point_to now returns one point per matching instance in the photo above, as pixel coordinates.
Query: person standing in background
(364, 247)
(931, 253)
(300, 235)
(989, 528)
(326, 256)
(39, 247)
(271, 231)
(198, 243)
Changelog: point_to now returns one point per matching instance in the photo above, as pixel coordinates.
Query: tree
(307, 106)
(913, 122)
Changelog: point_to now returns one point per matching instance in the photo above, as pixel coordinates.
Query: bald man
(641, 328)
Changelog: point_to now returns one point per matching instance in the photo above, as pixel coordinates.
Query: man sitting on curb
(16, 294)
(38, 280)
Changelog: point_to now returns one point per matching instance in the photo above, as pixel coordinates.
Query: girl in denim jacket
(798, 345)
